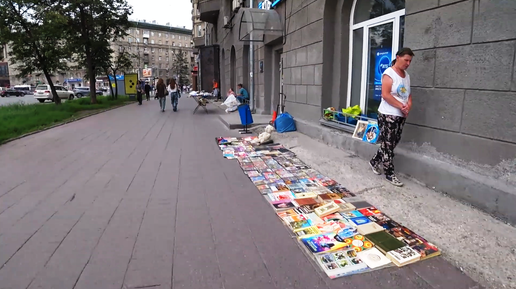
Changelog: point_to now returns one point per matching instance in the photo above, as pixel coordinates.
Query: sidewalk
(137, 198)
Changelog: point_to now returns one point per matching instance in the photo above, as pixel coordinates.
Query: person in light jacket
(173, 91)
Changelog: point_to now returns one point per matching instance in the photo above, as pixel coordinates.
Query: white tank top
(400, 90)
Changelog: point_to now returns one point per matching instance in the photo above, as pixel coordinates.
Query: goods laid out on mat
(343, 233)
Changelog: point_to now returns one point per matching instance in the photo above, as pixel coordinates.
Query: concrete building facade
(329, 54)
(155, 45)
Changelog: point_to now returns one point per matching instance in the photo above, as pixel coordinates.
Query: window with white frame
(376, 34)
(152, 41)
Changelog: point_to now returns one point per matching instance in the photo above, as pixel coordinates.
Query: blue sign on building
(273, 4)
(382, 62)
(118, 77)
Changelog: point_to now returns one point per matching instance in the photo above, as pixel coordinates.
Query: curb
(233, 126)
(60, 124)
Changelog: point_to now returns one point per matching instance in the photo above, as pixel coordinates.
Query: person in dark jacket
(147, 90)
(139, 92)
(161, 92)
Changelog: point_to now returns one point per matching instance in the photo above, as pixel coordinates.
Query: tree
(32, 29)
(181, 68)
(92, 26)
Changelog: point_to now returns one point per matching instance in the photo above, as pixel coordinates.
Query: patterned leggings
(390, 133)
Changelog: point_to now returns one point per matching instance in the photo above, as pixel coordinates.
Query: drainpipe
(251, 69)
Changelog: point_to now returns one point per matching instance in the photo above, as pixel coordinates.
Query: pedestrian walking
(139, 91)
(147, 90)
(392, 113)
(174, 92)
(161, 93)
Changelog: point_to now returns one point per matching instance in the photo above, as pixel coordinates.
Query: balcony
(198, 41)
(209, 10)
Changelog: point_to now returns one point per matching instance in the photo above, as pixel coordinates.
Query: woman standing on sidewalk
(173, 91)
(161, 94)
(392, 113)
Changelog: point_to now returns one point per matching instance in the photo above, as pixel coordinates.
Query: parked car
(25, 88)
(84, 91)
(11, 92)
(43, 93)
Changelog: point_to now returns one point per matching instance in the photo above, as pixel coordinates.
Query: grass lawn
(19, 119)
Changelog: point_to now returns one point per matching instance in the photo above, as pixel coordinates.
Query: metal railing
(345, 120)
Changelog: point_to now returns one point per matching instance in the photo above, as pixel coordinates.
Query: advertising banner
(130, 82)
(147, 72)
(382, 62)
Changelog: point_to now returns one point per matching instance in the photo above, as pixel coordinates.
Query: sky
(177, 12)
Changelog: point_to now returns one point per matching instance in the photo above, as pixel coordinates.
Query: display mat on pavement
(341, 232)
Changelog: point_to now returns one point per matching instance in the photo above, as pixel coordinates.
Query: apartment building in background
(4, 68)
(155, 45)
(152, 43)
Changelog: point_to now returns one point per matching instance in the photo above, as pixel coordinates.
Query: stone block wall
(463, 77)
(303, 58)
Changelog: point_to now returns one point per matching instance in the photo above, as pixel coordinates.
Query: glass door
(378, 49)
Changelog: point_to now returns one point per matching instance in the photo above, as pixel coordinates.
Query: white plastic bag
(231, 101)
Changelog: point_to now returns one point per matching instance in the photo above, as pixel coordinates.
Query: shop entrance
(277, 78)
(376, 36)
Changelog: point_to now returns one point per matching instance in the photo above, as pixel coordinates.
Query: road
(139, 198)
(27, 99)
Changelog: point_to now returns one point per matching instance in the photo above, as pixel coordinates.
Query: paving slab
(139, 198)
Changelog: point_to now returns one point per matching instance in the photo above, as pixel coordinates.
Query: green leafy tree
(181, 68)
(32, 29)
(92, 25)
